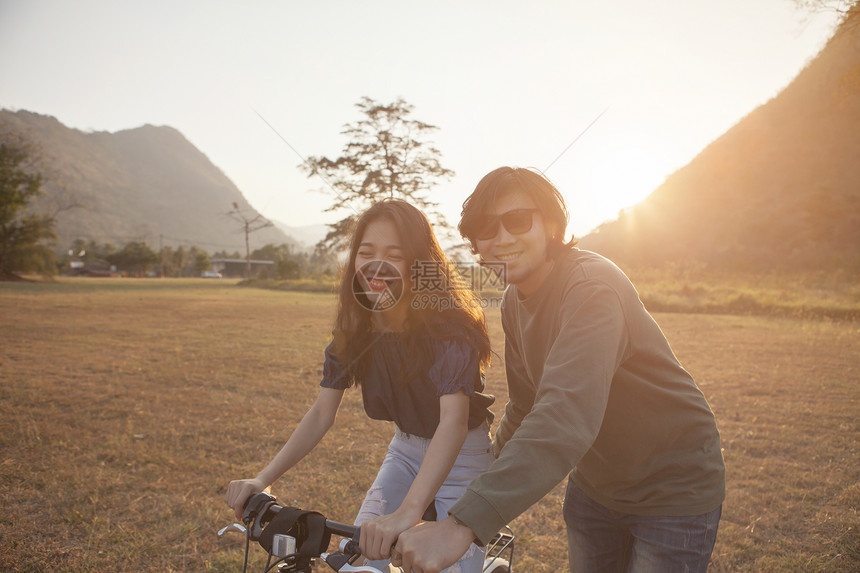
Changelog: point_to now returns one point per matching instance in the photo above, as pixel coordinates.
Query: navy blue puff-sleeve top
(414, 404)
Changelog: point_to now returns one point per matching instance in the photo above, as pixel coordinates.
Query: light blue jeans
(604, 541)
(398, 470)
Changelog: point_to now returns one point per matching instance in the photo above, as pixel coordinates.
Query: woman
(418, 355)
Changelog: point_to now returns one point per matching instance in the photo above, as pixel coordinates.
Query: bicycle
(296, 538)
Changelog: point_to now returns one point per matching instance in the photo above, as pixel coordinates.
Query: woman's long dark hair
(456, 306)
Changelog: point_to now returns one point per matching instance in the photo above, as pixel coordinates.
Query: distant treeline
(136, 258)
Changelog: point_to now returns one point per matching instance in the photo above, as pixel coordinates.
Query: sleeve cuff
(479, 515)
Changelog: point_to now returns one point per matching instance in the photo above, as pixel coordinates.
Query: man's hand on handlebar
(239, 491)
(379, 534)
(432, 546)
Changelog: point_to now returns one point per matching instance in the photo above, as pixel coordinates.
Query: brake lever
(232, 527)
(340, 562)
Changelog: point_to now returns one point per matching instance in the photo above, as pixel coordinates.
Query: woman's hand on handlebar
(378, 535)
(239, 491)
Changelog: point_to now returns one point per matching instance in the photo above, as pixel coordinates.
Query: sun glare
(622, 176)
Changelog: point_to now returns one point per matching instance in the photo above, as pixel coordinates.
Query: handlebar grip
(254, 504)
(255, 510)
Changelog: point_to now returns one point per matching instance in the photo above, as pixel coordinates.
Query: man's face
(524, 252)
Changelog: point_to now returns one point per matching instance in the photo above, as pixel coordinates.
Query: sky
(257, 86)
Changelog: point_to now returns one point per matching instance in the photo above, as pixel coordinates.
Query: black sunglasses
(516, 222)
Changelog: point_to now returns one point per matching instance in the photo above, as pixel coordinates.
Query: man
(596, 394)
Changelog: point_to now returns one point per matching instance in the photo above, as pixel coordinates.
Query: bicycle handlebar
(262, 509)
(333, 527)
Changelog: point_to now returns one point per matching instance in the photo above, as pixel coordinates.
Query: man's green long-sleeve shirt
(595, 392)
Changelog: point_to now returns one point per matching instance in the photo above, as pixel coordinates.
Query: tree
(195, 260)
(90, 251)
(286, 267)
(179, 259)
(201, 262)
(841, 7)
(22, 233)
(386, 155)
(848, 10)
(135, 257)
(79, 250)
(224, 254)
(166, 262)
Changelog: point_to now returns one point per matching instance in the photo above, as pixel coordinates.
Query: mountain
(306, 235)
(145, 184)
(780, 189)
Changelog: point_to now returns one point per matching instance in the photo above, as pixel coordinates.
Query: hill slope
(148, 183)
(780, 189)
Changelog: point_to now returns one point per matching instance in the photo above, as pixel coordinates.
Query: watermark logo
(425, 301)
(431, 281)
(430, 276)
(377, 286)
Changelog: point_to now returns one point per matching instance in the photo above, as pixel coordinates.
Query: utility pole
(250, 225)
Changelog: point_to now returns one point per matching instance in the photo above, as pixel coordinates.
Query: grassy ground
(127, 405)
(801, 295)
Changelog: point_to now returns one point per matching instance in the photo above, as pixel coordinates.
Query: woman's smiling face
(380, 263)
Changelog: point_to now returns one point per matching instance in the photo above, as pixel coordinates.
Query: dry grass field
(127, 405)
